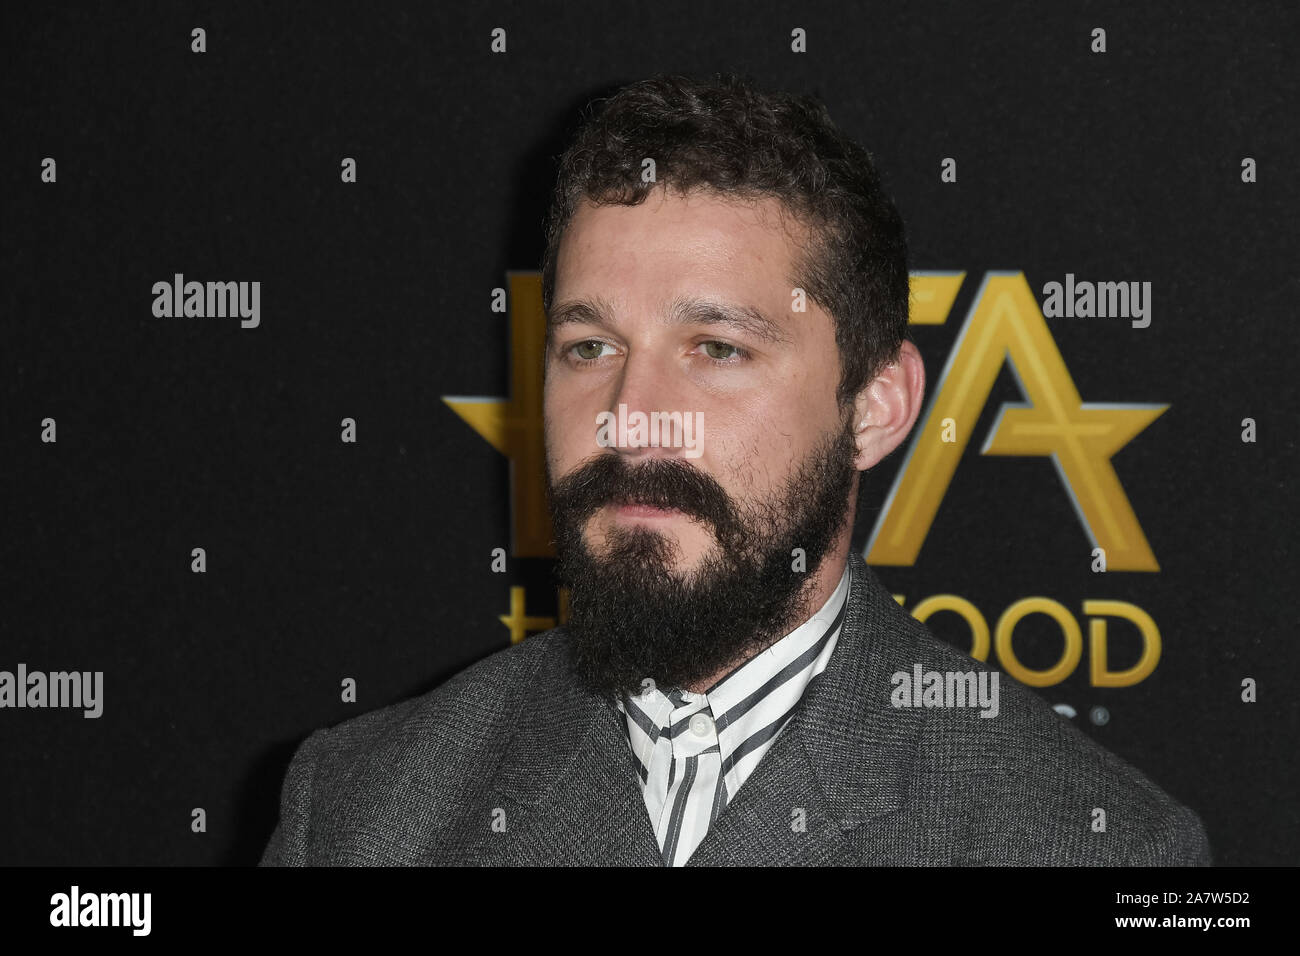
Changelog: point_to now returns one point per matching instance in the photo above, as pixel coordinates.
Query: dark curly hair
(725, 136)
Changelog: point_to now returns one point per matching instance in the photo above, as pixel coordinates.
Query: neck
(819, 588)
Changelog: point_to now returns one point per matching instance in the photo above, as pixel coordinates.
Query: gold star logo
(513, 426)
(1006, 325)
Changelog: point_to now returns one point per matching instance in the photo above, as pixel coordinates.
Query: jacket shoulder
(372, 788)
(1038, 790)
(466, 707)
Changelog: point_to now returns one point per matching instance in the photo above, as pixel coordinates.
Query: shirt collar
(781, 669)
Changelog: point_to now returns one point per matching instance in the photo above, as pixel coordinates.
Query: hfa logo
(1004, 324)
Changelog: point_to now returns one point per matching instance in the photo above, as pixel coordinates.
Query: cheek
(731, 462)
(570, 429)
(750, 453)
(558, 438)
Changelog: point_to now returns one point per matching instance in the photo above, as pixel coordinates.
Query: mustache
(660, 482)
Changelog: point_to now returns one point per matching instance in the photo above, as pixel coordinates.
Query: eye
(583, 350)
(722, 352)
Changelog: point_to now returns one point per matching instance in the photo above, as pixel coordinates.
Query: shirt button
(701, 725)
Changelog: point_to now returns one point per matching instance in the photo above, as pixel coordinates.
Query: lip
(646, 511)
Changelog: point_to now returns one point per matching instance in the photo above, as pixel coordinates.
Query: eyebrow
(684, 310)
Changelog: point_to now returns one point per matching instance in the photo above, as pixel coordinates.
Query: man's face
(680, 558)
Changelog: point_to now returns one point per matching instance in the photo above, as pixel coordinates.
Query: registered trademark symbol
(1099, 715)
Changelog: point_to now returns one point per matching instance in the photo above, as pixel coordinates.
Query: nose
(644, 406)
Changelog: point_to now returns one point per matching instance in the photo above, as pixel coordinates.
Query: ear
(886, 410)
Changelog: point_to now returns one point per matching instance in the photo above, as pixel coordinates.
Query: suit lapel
(566, 783)
(844, 758)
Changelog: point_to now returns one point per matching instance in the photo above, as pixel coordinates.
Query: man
(729, 687)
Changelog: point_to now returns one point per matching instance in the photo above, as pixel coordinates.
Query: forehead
(681, 239)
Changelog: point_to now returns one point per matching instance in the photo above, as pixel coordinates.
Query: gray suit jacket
(512, 762)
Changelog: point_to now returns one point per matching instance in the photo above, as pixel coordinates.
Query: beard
(631, 617)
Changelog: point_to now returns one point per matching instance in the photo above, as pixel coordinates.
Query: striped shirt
(694, 751)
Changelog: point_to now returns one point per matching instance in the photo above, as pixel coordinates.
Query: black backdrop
(328, 560)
